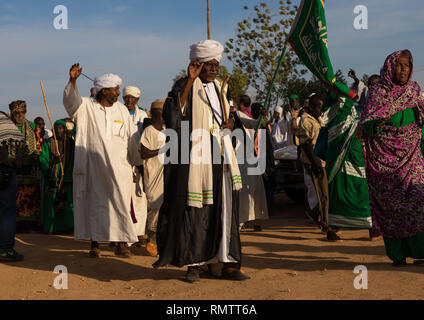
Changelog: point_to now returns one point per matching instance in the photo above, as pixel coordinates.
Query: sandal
(401, 263)
(152, 249)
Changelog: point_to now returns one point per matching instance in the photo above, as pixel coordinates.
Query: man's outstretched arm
(71, 97)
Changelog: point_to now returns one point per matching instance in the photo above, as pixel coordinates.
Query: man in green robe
(58, 209)
(348, 189)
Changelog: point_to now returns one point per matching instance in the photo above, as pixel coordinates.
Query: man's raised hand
(194, 69)
(74, 73)
(352, 74)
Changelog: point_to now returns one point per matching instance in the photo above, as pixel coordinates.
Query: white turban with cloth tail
(107, 81)
(279, 109)
(132, 91)
(205, 51)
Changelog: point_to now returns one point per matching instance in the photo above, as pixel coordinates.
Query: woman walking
(392, 129)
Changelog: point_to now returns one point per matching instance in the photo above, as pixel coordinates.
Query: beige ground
(288, 260)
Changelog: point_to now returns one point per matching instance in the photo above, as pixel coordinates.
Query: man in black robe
(189, 235)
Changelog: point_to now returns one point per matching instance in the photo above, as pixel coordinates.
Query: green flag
(308, 38)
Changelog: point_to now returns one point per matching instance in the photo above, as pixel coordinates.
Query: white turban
(132, 91)
(205, 51)
(279, 109)
(107, 81)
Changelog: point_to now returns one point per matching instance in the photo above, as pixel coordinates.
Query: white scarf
(200, 178)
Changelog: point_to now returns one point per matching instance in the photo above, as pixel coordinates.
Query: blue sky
(146, 42)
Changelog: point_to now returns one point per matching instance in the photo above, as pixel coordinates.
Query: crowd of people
(101, 174)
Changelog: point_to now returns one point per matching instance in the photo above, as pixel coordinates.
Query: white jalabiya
(139, 202)
(311, 192)
(362, 91)
(282, 133)
(214, 100)
(103, 179)
(138, 118)
(138, 195)
(153, 139)
(253, 204)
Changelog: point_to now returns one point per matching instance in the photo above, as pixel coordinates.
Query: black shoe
(11, 255)
(332, 236)
(418, 262)
(94, 253)
(400, 263)
(235, 275)
(192, 275)
(112, 245)
(257, 228)
(122, 252)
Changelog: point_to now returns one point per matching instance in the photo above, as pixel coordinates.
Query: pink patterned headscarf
(388, 98)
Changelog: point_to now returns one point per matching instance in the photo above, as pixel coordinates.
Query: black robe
(188, 235)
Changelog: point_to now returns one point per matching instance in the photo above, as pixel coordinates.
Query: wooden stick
(224, 107)
(209, 19)
(54, 133)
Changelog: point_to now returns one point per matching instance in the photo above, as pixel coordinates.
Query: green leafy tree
(258, 44)
(182, 74)
(237, 84)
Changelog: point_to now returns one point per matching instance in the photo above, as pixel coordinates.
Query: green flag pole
(268, 97)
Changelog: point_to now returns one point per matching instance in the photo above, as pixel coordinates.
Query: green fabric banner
(308, 38)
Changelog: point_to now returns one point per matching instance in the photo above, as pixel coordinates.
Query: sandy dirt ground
(289, 259)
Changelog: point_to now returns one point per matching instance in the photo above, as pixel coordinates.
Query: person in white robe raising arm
(103, 179)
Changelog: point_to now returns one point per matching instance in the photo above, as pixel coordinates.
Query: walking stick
(224, 107)
(54, 133)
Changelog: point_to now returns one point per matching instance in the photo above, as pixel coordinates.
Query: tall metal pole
(209, 20)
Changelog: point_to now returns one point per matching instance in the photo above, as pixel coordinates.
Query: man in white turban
(198, 220)
(131, 96)
(102, 174)
(206, 51)
(285, 122)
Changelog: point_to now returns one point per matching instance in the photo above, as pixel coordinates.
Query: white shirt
(214, 100)
(282, 133)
